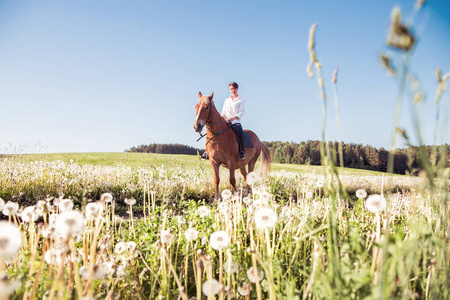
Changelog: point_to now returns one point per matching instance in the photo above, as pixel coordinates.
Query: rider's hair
(234, 84)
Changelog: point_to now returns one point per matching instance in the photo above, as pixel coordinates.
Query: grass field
(136, 160)
(302, 232)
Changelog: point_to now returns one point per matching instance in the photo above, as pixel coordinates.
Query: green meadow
(144, 226)
(139, 160)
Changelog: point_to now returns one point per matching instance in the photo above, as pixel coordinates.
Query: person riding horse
(232, 112)
(221, 143)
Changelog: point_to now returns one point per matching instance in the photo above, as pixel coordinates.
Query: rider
(232, 112)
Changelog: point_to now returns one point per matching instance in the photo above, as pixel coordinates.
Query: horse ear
(200, 94)
(211, 96)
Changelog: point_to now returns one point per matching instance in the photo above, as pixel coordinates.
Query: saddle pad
(247, 140)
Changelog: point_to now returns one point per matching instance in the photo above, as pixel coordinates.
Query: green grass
(137, 160)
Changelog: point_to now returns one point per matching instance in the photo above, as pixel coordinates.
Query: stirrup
(241, 155)
(205, 156)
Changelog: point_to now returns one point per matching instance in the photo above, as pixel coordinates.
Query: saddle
(247, 139)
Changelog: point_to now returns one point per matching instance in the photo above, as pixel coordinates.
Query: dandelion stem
(221, 273)
(78, 286)
(199, 279)
(180, 287)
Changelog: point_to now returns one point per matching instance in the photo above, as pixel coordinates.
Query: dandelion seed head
(52, 218)
(10, 240)
(130, 201)
(69, 223)
(191, 234)
(118, 219)
(53, 256)
(203, 211)
(226, 194)
(253, 178)
(65, 204)
(99, 271)
(56, 201)
(219, 240)
(29, 214)
(131, 246)
(49, 231)
(223, 207)
(41, 203)
(10, 208)
(120, 248)
(211, 287)
(92, 210)
(361, 194)
(245, 289)
(265, 218)
(266, 196)
(166, 236)
(84, 272)
(376, 203)
(255, 276)
(256, 190)
(120, 271)
(285, 213)
(106, 197)
(246, 200)
(231, 267)
(6, 286)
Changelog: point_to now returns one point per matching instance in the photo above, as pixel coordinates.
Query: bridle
(208, 127)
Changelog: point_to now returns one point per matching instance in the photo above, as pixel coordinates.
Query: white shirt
(233, 108)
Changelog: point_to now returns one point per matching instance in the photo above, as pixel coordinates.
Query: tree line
(165, 149)
(358, 156)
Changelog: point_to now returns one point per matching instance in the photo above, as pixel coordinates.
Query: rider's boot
(241, 155)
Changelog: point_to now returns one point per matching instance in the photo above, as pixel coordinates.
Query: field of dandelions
(84, 231)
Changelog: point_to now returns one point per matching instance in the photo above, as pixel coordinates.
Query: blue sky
(88, 76)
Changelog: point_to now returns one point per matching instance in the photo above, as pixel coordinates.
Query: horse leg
(232, 178)
(244, 174)
(216, 179)
(251, 165)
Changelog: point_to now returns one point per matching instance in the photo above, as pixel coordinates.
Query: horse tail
(265, 159)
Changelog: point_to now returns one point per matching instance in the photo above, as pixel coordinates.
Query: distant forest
(356, 156)
(165, 149)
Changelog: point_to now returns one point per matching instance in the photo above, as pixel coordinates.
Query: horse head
(203, 111)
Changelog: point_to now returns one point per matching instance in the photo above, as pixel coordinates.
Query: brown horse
(222, 146)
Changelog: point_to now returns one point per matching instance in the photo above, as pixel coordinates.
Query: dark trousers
(240, 133)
